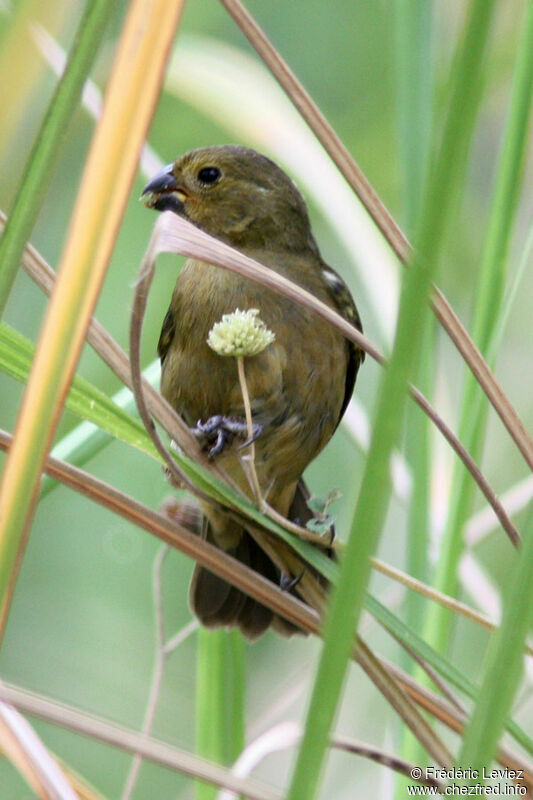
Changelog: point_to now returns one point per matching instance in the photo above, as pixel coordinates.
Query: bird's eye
(209, 175)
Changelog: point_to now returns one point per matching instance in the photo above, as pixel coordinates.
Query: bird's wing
(343, 300)
(166, 336)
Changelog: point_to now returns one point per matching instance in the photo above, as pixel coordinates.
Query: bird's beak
(163, 192)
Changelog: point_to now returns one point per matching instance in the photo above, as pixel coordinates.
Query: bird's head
(236, 195)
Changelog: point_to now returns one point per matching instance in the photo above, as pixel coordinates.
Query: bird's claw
(257, 430)
(222, 429)
(286, 583)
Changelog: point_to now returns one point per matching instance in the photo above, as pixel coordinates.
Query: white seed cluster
(241, 333)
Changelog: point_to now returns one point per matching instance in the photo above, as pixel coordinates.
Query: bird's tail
(218, 604)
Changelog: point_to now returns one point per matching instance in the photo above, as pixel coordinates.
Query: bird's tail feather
(217, 604)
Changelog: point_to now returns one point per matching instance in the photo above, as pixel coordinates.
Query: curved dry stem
(320, 126)
(176, 235)
(383, 219)
(116, 359)
(158, 669)
(287, 735)
(138, 310)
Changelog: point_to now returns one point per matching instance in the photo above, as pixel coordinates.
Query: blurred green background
(81, 627)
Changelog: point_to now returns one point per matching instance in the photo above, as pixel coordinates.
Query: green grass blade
(413, 29)
(489, 295)
(414, 81)
(505, 658)
(84, 399)
(86, 440)
(348, 595)
(445, 669)
(413, 33)
(32, 187)
(220, 672)
(210, 703)
(236, 696)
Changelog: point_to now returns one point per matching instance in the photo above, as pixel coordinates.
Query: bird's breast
(296, 385)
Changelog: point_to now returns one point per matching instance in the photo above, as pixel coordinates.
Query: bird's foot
(218, 431)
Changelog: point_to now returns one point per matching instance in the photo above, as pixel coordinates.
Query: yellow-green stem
(249, 459)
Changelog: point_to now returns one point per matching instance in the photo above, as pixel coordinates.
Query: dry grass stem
(383, 219)
(455, 720)
(287, 735)
(176, 235)
(163, 649)
(249, 457)
(131, 741)
(385, 759)
(438, 597)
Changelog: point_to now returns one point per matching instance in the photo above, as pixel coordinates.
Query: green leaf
(445, 669)
(32, 187)
(84, 399)
(505, 658)
(488, 296)
(220, 696)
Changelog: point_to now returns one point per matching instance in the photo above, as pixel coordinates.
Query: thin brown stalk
(287, 735)
(432, 674)
(383, 219)
(320, 126)
(126, 739)
(249, 458)
(442, 710)
(163, 649)
(140, 297)
(157, 675)
(438, 597)
(381, 757)
(400, 700)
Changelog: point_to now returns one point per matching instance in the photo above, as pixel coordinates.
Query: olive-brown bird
(299, 385)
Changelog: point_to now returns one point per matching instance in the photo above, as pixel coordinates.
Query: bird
(299, 386)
